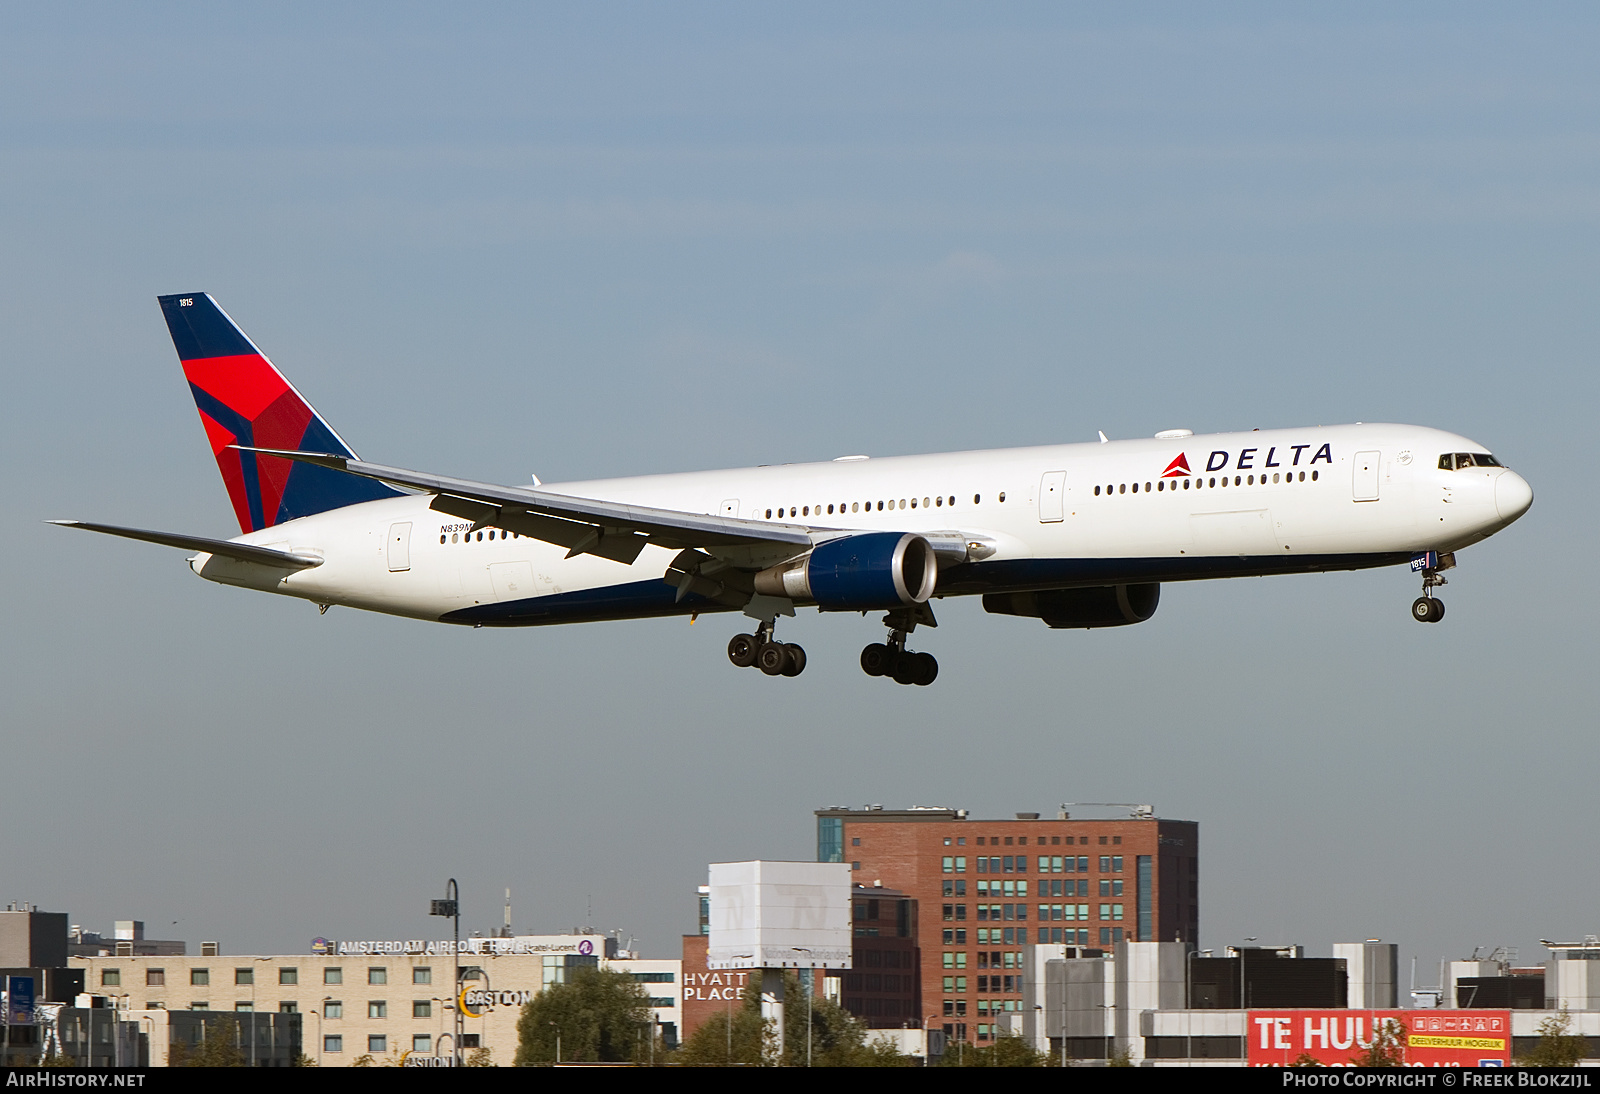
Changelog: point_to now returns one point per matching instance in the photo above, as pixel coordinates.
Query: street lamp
(450, 908)
(326, 999)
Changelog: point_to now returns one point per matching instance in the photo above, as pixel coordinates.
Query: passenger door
(1052, 491)
(1364, 484)
(399, 547)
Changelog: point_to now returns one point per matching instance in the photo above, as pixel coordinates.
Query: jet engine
(857, 573)
(1100, 606)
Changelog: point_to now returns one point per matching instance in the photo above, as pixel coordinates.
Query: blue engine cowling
(858, 573)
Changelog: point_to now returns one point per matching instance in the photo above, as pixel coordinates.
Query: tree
(1388, 1047)
(598, 1014)
(1557, 1045)
(218, 1047)
(1004, 1052)
(737, 1035)
(819, 1032)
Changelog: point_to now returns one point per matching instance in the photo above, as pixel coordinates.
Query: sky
(587, 240)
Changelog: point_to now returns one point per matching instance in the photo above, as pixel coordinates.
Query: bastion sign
(1433, 1038)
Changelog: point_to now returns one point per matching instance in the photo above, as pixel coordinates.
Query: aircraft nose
(1512, 496)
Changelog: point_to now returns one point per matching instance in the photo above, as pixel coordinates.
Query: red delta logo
(1177, 468)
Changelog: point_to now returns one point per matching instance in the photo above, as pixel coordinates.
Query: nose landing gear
(759, 650)
(892, 659)
(1428, 608)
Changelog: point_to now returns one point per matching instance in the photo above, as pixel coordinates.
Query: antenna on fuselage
(1103, 438)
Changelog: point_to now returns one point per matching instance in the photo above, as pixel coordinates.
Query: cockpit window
(1455, 461)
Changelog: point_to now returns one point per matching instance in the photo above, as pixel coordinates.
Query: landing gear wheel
(1427, 609)
(772, 658)
(742, 650)
(908, 668)
(877, 660)
(928, 669)
(797, 661)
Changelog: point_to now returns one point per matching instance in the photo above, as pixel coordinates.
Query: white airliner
(1076, 535)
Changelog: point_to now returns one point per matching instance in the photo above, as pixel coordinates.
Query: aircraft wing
(582, 525)
(245, 552)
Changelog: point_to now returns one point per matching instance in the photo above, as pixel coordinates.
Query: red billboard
(1337, 1038)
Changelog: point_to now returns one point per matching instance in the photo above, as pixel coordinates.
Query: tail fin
(244, 400)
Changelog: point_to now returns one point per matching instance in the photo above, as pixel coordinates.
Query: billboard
(772, 915)
(19, 1000)
(1333, 1038)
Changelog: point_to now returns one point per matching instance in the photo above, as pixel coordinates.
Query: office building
(988, 889)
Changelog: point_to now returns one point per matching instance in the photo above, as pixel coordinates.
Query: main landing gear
(892, 659)
(760, 651)
(1428, 608)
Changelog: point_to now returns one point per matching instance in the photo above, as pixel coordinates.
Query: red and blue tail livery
(244, 401)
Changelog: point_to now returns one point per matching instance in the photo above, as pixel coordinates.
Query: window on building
(288, 976)
(378, 975)
(155, 977)
(377, 1008)
(246, 1005)
(421, 1042)
(377, 1042)
(333, 976)
(333, 1042)
(333, 1009)
(421, 974)
(288, 1006)
(244, 976)
(111, 978)
(199, 976)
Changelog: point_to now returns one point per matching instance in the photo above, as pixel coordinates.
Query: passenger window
(1002, 496)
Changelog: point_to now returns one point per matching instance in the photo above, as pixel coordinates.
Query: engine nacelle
(1101, 606)
(858, 573)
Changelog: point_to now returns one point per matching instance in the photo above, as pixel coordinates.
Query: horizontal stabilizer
(244, 552)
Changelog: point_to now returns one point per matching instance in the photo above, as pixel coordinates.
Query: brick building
(989, 888)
